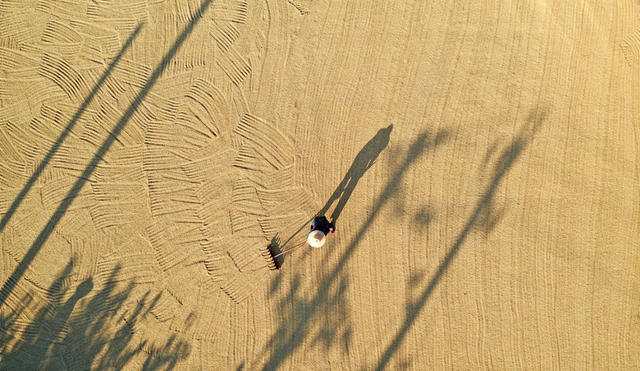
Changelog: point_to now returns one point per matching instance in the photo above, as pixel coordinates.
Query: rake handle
(289, 249)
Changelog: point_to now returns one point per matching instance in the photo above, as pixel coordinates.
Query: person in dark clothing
(320, 228)
(321, 223)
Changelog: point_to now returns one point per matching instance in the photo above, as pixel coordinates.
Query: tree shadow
(480, 217)
(323, 317)
(83, 331)
(35, 248)
(363, 161)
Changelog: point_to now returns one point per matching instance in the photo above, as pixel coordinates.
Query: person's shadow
(363, 161)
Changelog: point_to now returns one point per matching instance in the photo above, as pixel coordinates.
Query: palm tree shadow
(363, 161)
(481, 217)
(84, 331)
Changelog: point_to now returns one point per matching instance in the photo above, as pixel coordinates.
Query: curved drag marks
(85, 251)
(210, 169)
(283, 224)
(99, 127)
(225, 35)
(172, 251)
(631, 48)
(245, 198)
(267, 141)
(14, 27)
(215, 261)
(64, 9)
(55, 191)
(79, 223)
(249, 159)
(20, 139)
(66, 77)
(244, 253)
(234, 66)
(74, 159)
(244, 224)
(132, 73)
(123, 10)
(208, 106)
(11, 60)
(230, 10)
(107, 39)
(139, 268)
(238, 287)
(59, 33)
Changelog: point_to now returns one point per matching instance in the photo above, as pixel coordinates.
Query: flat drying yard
(480, 160)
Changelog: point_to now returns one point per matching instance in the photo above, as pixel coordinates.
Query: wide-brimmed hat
(316, 239)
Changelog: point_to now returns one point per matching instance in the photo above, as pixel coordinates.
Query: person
(320, 228)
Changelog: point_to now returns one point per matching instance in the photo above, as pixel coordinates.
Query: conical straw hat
(316, 239)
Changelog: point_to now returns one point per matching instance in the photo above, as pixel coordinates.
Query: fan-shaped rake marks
(67, 10)
(161, 108)
(54, 192)
(14, 112)
(631, 48)
(238, 287)
(285, 225)
(126, 156)
(53, 121)
(234, 66)
(20, 139)
(272, 198)
(114, 214)
(244, 224)
(106, 38)
(230, 10)
(12, 173)
(66, 51)
(208, 105)
(170, 252)
(13, 26)
(210, 168)
(244, 254)
(173, 196)
(57, 32)
(245, 198)
(168, 135)
(74, 158)
(131, 72)
(225, 34)
(215, 218)
(108, 192)
(78, 223)
(248, 158)
(104, 11)
(268, 141)
(158, 159)
(62, 74)
(193, 133)
(134, 267)
(85, 251)
(101, 126)
(185, 10)
(215, 261)
(166, 307)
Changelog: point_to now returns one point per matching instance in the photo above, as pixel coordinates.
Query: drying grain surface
(481, 161)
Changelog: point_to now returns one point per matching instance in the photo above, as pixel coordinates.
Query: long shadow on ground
(299, 314)
(9, 285)
(506, 160)
(363, 161)
(74, 333)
